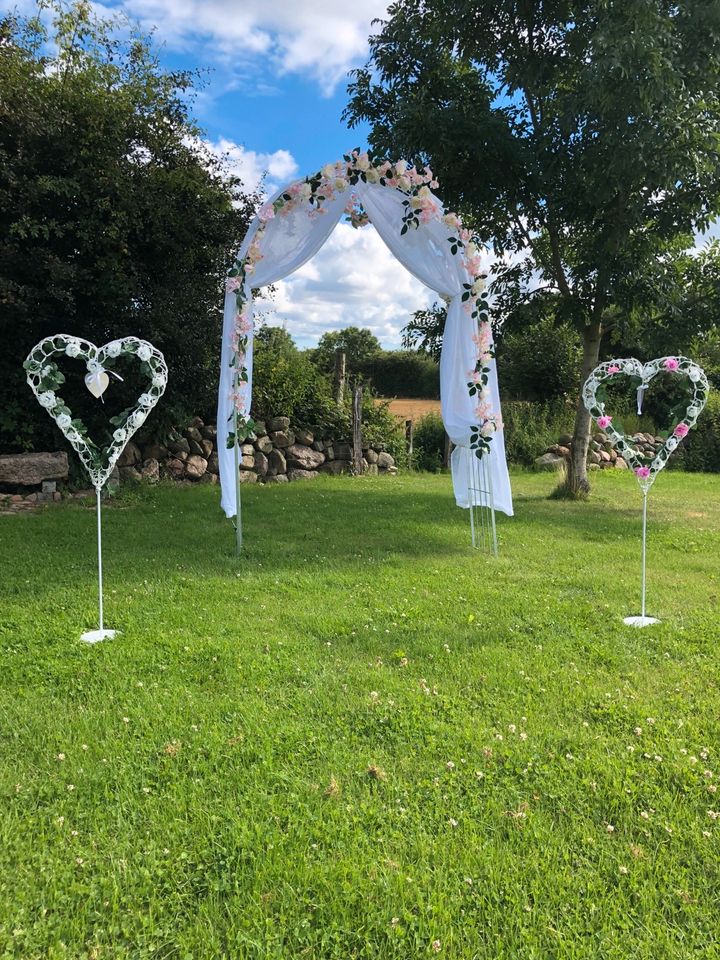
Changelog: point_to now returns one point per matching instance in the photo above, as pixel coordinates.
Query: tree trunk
(357, 432)
(577, 481)
(339, 376)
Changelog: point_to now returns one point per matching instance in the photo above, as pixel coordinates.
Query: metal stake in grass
(95, 636)
(642, 620)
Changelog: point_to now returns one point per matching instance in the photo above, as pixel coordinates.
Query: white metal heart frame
(45, 378)
(684, 415)
(595, 400)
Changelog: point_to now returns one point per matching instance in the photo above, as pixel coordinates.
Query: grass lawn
(361, 739)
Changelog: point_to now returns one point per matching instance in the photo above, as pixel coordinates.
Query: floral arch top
(421, 207)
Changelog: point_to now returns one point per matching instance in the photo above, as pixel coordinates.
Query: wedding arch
(434, 246)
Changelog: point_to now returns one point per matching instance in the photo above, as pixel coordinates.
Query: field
(413, 409)
(361, 739)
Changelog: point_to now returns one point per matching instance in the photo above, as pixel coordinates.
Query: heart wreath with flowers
(683, 415)
(45, 378)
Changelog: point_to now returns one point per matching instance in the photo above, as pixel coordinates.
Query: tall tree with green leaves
(115, 219)
(580, 139)
(358, 343)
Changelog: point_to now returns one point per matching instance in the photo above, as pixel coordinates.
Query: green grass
(361, 737)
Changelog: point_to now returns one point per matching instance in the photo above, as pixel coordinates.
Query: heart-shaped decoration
(595, 399)
(44, 378)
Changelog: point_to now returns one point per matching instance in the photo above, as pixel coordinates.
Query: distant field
(413, 409)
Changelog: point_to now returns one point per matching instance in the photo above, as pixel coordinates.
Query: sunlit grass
(361, 739)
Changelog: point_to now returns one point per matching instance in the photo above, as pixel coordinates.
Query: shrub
(402, 373)
(700, 451)
(531, 427)
(429, 443)
(540, 362)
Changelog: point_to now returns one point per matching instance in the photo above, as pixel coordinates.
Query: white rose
(340, 183)
(114, 349)
(119, 436)
(478, 286)
(144, 351)
(139, 418)
(671, 443)
(362, 162)
(145, 400)
(372, 176)
(73, 348)
(403, 183)
(158, 380)
(63, 421)
(328, 171)
(471, 250)
(488, 428)
(47, 400)
(400, 167)
(424, 192)
(305, 191)
(694, 374)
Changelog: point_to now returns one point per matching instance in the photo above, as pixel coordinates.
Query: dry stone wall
(601, 455)
(276, 452)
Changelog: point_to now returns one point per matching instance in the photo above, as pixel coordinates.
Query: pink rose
(681, 430)
(613, 369)
(642, 472)
(267, 212)
(672, 364)
(604, 422)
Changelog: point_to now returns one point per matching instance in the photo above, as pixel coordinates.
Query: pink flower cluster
(681, 430)
(642, 472)
(672, 364)
(604, 422)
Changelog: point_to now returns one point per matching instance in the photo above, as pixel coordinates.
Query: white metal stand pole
(642, 620)
(238, 504)
(94, 636)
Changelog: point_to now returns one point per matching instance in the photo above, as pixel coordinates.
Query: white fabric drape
(289, 240)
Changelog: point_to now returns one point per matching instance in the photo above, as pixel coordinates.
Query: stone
(342, 451)
(372, 469)
(209, 432)
(179, 446)
(213, 464)
(295, 474)
(371, 456)
(613, 455)
(335, 467)
(113, 481)
(604, 456)
(318, 445)
(304, 457)
(29, 469)
(197, 422)
(276, 463)
(282, 438)
(182, 455)
(49, 486)
(280, 478)
(263, 444)
(195, 467)
(329, 451)
(565, 440)
(549, 461)
(209, 478)
(563, 451)
(247, 449)
(207, 447)
(150, 471)
(196, 448)
(260, 428)
(192, 433)
(155, 451)
(593, 466)
(130, 473)
(261, 464)
(248, 476)
(247, 462)
(620, 464)
(384, 461)
(130, 455)
(594, 457)
(57, 496)
(175, 468)
(304, 437)
(278, 424)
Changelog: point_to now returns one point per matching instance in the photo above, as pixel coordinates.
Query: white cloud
(278, 167)
(353, 281)
(319, 38)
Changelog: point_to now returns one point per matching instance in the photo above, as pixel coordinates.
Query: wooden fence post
(357, 431)
(339, 376)
(409, 440)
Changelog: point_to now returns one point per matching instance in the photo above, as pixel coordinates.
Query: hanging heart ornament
(684, 417)
(44, 378)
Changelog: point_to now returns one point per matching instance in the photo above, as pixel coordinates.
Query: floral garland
(44, 377)
(684, 414)
(421, 207)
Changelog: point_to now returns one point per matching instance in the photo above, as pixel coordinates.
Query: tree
(116, 220)
(581, 140)
(359, 345)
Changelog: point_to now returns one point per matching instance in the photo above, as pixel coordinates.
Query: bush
(540, 362)
(429, 443)
(700, 451)
(531, 427)
(402, 373)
